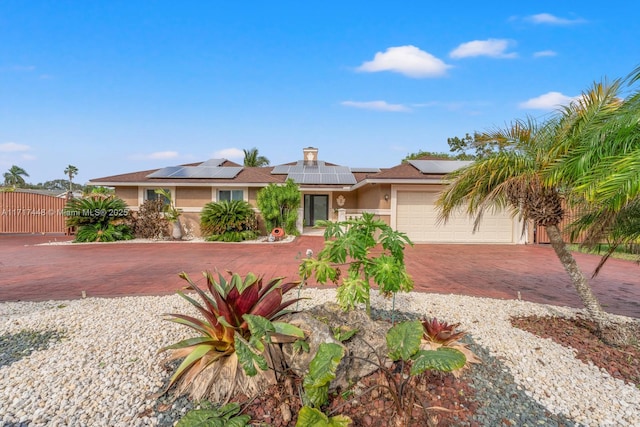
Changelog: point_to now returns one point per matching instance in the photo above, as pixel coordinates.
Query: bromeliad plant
(371, 251)
(437, 334)
(239, 327)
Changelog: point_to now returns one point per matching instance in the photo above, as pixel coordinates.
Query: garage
(416, 215)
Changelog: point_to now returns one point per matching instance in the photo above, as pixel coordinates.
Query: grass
(622, 252)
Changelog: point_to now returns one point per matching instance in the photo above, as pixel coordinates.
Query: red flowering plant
(239, 320)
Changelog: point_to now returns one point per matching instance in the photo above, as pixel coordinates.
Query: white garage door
(416, 215)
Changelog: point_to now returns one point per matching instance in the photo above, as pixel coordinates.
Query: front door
(316, 207)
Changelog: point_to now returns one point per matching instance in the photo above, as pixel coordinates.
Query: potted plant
(171, 213)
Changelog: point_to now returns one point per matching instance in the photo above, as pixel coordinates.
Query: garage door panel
(417, 216)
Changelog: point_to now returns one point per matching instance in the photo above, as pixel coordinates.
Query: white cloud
(494, 48)
(544, 53)
(376, 105)
(547, 18)
(10, 147)
(229, 153)
(548, 101)
(407, 60)
(160, 155)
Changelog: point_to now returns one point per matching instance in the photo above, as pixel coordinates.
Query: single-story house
(403, 195)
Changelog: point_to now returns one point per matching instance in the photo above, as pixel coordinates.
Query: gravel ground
(93, 362)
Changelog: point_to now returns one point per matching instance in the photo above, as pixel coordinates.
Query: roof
(318, 173)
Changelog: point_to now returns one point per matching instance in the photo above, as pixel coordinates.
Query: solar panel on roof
(438, 166)
(164, 172)
(213, 162)
(196, 172)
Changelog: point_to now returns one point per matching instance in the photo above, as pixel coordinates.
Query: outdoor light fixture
(386, 197)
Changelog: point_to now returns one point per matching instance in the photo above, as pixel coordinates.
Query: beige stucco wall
(373, 197)
(194, 197)
(128, 194)
(253, 196)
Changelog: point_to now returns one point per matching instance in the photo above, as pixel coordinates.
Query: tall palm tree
(514, 179)
(14, 176)
(71, 171)
(598, 153)
(252, 158)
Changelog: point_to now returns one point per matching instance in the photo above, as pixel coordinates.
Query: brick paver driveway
(33, 272)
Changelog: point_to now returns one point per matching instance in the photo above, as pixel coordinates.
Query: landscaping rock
(363, 352)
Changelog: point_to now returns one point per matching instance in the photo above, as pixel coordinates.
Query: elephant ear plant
(239, 327)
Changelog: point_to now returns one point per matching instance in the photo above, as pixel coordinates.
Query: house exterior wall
(193, 197)
(371, 198)
(129, 195)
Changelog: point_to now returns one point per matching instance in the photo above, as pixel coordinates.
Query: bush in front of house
(98, 218)
(228, 221)
(150, 222)
(279, 206)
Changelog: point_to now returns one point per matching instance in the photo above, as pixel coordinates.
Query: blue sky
(120, 86)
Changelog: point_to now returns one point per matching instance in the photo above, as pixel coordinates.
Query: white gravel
(105, 370)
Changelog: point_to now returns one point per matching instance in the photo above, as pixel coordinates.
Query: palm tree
(514, 179)
(252, 158)
(598, 149)
(71, 171)
(14, 176)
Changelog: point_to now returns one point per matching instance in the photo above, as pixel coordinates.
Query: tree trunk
(579, 281)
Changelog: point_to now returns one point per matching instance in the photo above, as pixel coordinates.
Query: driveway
(32, 270)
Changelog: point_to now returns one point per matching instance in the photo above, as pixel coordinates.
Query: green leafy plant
(438, 335)
(171, 213)
(239, 318)
(98, 218)
(95, 209)
(103, 233)
(229, 221)
(279, 206)
(322, 370)
(211, 416)
(343, 333)
(351, 243)
(312, 417)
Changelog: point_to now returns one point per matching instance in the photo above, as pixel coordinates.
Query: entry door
(316, 208)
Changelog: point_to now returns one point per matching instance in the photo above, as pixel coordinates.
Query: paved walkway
(33, 272)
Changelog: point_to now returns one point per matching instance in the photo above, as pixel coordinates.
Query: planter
(277, 233)
(176, 231)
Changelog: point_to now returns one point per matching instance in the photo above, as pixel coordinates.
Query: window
(150, 194)
(228, 195)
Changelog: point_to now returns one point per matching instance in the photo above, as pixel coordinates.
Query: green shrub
(228, 221)
(279, 206)
(98, 218)
(95, 209)
(103, 233)
(350, 243)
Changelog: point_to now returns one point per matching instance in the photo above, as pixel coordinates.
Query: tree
(279, 206)
(421, 155)
(71, 171)
(252, 158)
(604, 176)
(14, 176)
(513, 178)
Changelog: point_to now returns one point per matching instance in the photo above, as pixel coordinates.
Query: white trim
(216, 190)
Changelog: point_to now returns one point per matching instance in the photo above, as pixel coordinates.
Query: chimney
(310, 156)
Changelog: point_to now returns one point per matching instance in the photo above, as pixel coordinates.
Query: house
(403, 195)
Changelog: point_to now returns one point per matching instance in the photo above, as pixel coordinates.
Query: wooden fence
(22, 212)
